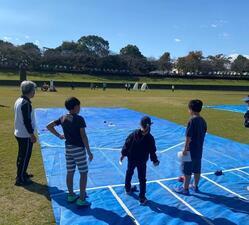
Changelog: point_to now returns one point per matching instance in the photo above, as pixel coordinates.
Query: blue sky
(155, 26)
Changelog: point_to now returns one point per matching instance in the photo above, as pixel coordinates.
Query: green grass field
(120, 79)
(23, 206)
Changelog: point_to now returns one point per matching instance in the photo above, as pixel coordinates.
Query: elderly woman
(24, 131)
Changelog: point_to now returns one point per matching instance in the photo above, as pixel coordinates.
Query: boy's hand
(122, 158)
(156, 163)
(90, 156)
(61, 136)
(33, 138)
(184, 152)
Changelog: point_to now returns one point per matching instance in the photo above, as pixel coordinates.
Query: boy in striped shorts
(77, 147)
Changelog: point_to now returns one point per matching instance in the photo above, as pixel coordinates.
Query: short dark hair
(71, 102)
(195, 105)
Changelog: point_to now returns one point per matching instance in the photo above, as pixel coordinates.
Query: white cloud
(7, 38)
(224, 35)
(177, 40)
(37, 42)
(214, 25)
(27, 36)
(235, 55)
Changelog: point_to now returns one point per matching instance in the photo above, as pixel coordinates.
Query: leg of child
(129, 174)
(141, 169)
(83, 183)
(196, 179)
(70, 182)
(186, 183)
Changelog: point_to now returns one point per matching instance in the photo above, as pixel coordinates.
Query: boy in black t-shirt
(77, 146)
(195, 135)
(138, 146)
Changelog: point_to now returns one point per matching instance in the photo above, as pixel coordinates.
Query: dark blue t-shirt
(196, 130)
(71, 124)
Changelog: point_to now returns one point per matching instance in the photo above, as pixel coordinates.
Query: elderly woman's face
(32, 94)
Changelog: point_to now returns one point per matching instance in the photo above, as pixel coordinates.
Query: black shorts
(191, 167)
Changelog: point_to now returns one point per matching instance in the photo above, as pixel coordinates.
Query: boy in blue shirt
(77, 146)
(195, 135)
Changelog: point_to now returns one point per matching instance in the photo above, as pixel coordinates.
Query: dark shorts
(191, 167)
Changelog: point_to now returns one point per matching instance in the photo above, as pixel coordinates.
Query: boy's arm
(153, 156)
(51, 128)
(186, 146)
(189, 135)
(127, 145)
(86, 142)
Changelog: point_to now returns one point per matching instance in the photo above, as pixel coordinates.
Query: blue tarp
(230, 108)
(107, 129)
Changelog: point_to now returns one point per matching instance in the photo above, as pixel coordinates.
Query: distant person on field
(173, 88)
(138, 146)
(246, 115)
(104, 86)
(195, 135)
(129, 86)
(44, 87)
(77, 148)
(24, 131)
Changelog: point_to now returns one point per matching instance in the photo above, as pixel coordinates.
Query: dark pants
(141, 170)
(24, 153)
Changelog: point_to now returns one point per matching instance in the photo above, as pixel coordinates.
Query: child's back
(196, 130)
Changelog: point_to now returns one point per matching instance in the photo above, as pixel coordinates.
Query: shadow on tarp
(109, 217)
(185, 215)
(235, 204)
(60, 198)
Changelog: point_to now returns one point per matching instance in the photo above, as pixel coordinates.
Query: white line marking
(209, 161)
(184, 202)
(148, 182)
(123, 205)
(224, 188)
(167, 149)
(115, 166)
(242, 171)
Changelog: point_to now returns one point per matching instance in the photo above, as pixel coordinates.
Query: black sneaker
(133, 189)
(27, 175)
(194, 188)
(23, 183)
(143, 201)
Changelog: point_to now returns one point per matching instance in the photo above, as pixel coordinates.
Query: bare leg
(196, 179)
(186, 182)
(70, 182)
(83, 182)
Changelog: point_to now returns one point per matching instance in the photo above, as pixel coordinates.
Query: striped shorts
(76, 156)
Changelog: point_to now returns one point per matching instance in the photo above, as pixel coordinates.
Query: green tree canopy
(94, 45)
(132, 51)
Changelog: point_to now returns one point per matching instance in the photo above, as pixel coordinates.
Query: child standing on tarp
(76, 148)
(195, 134)
(138, 146)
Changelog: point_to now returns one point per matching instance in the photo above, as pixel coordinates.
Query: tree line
(92, 53)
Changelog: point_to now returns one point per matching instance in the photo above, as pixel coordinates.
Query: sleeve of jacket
(127, 145)
(26, 109)
(153, 156)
